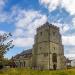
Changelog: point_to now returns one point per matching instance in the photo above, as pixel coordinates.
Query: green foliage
(5, 62)
(23, 71)
(5, 45)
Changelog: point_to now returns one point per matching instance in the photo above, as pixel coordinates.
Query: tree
(5, 45)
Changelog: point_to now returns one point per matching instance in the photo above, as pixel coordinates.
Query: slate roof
(29, 51)
(25, 52)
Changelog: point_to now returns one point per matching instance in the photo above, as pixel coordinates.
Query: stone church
(47, 51)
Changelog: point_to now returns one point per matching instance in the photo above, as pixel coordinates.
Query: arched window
(54, 57)
(41, 33)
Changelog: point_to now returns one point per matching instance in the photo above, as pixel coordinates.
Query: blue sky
(22, 17)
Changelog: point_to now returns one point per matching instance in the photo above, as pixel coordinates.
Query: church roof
(29, 51)
(25, 52)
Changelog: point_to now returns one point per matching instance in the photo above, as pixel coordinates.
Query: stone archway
(54, 59)
(54, 67)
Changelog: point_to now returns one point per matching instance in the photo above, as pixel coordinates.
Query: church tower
(48, 51)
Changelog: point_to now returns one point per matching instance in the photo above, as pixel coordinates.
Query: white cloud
(63, 27)
(50, 4)
(2, 3)
(73, 21)
(18, 32)
(69, 5)
(68, 40)
(40, 20)
(70, 52)
(30, 20)
(23, 42)
(70, 56)
(66, 27)
(4, 17)
(26, 24)
(26, 18)
(2, 32)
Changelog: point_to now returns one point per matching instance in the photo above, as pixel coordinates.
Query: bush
(1, 65)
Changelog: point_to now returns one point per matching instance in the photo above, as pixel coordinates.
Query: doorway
(54, 59)
(54, 67)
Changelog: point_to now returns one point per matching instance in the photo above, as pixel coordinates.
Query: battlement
(48, 25)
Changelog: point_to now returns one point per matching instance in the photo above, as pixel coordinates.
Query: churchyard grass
(23, 71)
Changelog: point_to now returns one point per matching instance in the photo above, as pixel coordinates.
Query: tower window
(40, 33)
